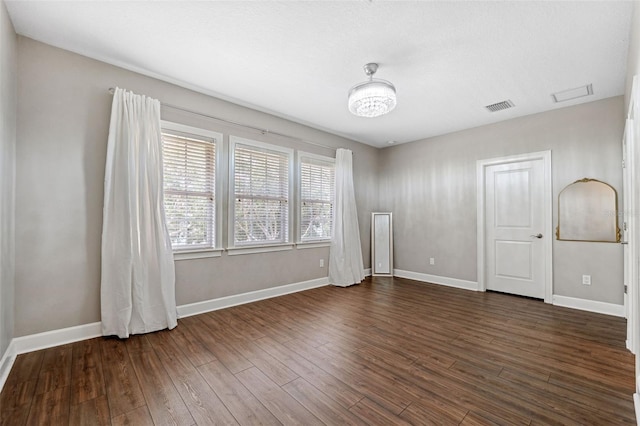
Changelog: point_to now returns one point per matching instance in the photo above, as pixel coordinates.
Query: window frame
(325, 242)
(262, 246)
(218, 140)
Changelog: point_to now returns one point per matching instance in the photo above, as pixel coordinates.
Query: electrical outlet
(432, 261)
(322, 263)
(586, 280)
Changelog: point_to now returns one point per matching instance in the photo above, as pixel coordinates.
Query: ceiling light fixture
(372, 98)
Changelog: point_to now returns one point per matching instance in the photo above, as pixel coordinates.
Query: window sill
(196, 254)
(233, 251)
(313, 244)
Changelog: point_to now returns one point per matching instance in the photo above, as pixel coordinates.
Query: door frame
(632, 126)
(481, 166)
(629, 229)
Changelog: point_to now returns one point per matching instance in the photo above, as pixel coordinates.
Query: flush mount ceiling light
(372, 98)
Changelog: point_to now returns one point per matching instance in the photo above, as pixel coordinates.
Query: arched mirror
(588, 211)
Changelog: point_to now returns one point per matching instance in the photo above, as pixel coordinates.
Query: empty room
(319, 212)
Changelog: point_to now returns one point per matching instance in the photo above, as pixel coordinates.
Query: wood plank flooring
(388, 351)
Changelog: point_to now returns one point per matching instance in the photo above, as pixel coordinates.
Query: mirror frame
(389, 248)
(615, 238)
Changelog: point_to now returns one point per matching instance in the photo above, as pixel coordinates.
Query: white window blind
(317, 178)
(261, 195)
(189, 189)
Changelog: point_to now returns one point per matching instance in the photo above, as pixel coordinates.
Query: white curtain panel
(138, 276)
(345, 254)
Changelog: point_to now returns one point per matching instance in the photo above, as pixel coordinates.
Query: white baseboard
(567, 302)
(6, 363)
(636, 404)
(367, 272)
(252, 296)
(436, 279)
(49, 339)
(589, 305)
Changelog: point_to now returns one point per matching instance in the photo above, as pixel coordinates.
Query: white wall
(633, 59)
(8, 99)
(430, 186)
(63, 117)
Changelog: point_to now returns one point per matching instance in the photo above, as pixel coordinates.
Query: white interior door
(628, 236)
(631, 227)
(515, 227)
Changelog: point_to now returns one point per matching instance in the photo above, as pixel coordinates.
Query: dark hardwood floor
(388, 351)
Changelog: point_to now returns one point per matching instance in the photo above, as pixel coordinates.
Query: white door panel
(514, 220)
(510, 186)
(514, 259)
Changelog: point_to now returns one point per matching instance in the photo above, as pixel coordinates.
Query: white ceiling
(299, 59)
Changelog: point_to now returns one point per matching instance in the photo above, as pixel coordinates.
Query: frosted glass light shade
(372, 98)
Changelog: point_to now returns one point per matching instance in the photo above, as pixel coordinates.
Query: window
(189, 163)
(260, 191)
(317, 176)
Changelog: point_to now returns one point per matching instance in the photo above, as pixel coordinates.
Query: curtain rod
(235, 123)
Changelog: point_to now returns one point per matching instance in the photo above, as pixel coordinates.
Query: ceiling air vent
(567, 95)
(499, 106)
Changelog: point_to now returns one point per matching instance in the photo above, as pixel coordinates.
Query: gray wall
(63, 114)
(430, 186)
(8, 99)
(63, 118)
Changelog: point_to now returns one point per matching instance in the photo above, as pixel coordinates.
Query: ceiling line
(235, 123)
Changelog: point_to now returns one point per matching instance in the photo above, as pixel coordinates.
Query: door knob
(536, 236)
